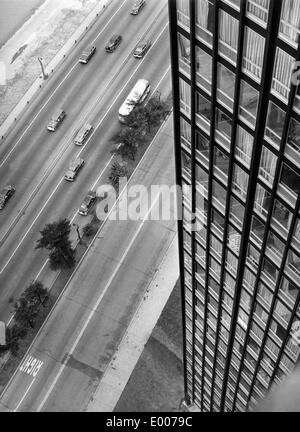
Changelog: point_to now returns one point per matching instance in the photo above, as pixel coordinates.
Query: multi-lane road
(65, 363)
(34, 160)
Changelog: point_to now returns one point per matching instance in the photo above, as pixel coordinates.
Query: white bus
(137, 95)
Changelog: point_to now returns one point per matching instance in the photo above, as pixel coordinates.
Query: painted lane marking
(94, 131)
(55, 90)
(94, 309)
(31, 365)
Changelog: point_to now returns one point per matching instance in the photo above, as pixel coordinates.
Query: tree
(126, 140)
(14, 334)
(55, 238)
(136, 119)
(25, 313)
(61, 259)
(36, 292)
(155, 110)
(117, 170)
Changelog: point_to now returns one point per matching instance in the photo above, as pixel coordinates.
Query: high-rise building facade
(237, 147)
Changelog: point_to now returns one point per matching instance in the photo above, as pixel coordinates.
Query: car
(87, 54)
(87, 203)
(141, 49)
(82, 134)
(56, 119)
(137, 6)
(113, 42)
(6, 193)
(74, 168)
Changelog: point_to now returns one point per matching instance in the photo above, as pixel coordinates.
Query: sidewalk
(132, 345)
(50, 33)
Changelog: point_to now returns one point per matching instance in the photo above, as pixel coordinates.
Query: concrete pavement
(137, 334)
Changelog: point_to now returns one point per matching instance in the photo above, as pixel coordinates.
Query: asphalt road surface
(34, 160)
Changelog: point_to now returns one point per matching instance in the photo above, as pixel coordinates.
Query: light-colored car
(74, 168)
(6, 193)
(87, 54)
(141, 49)
(137, 6)
(56, 119)
(82, 134)
(87, 203)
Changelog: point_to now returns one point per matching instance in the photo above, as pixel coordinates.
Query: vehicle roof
(74, 163)
(114, 37)
(57, 113)
(139, 88)
(82, 130)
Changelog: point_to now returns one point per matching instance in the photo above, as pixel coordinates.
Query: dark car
(137, 6)
(87, 203)
(5, 194)
(87, 54)
(141, 49)
(114, 41)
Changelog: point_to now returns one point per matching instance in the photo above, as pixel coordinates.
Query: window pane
(236, 211)
(225, 86)
(185, 97)
(203, 69)
(248, 103)
(262, 200)
(240, 181)
(202, 145)
(223, 124)
(258, 10)
(228, 36)
(281, 218)
(253, 57)
(267, 165)
(204, 20)
(290, 179)
(290, 20)
(184, 53)
(275, 122)
(244, 143)
(282, 73)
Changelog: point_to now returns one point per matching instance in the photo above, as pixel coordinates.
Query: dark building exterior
(237, 144)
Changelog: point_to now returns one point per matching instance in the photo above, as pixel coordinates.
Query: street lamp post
(45, 76)
(77, 230)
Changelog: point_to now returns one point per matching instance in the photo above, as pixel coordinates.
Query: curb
(38, 84)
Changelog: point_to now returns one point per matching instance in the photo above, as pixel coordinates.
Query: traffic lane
(146, 66)
(115, 236)
(54, 79)
(79, 73)
(36, 164)
(26, 271)
(86, 365)
(26, 261)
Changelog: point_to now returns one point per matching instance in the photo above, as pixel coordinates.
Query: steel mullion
(290, 234)
(269, 56)
(193, 173)
(210, 174)
(178, 173)
(228, 197)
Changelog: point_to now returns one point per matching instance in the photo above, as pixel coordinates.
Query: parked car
(87, 54)
(137, 6)
(113, 42)
(82, 134)
(56, 119)
(74, 168)
(141, 49)
(87, 203)
(6, 193)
